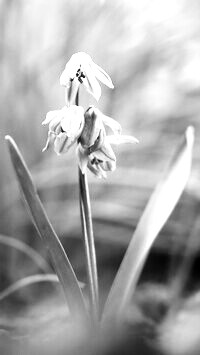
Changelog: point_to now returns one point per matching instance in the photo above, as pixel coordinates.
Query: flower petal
(60, 143)
(69, 73)
(73, 121)
(111, 123)
(51, 115)
(50, 140)
(92, 128)
(82, 158)
(98, 142)
(105, 152)
(54, 125)
(121, 139)
(102, 75)
(65, 79)
(109, 165)
(97, 170)
(91, 83)
(71, 91)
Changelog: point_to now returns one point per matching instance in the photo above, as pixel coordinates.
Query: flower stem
(87, 228)
(86, 219)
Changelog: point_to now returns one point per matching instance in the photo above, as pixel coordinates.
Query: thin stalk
(86, 220)
(88, 235)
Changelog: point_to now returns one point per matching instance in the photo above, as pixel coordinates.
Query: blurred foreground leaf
(59, 258)
(26, 281)
(156, 213)
(29, 280)
(24, 248)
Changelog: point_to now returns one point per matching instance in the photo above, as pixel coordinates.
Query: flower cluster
(72, 125)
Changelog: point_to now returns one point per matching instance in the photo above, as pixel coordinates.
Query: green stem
(87, 228)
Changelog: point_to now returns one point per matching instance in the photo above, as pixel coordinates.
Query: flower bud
(93, 128)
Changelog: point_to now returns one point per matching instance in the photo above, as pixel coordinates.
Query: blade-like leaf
(24, 248)
(156, 213)
(59, 258)
(27, 281)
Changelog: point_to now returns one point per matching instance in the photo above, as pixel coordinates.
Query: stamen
(96, 161)
(80, 75)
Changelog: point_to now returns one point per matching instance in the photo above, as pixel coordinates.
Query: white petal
(120, 139)
(105, 152)
(91, 83)
(109, 165)
(54, 125)
(76, 61)
(66, 125)
(70, 71)
(73, 110)
(110, 122)
(82, 158)
(93, 128)
(65, 79)
(51, 115)
(97, 170)
(50, 140)
(68, 74)
(82, 58)
(73, 120)
(71, 91)
(60, 143)
(102, 75)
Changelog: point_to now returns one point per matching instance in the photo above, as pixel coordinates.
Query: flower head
(65, 127)
(94, 150)
(81, 69)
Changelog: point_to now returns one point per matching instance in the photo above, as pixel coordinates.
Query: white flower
(94, 150)
(65, 127)
(81, 69)
(98, 161)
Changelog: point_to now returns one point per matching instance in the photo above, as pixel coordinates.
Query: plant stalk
(87, 228)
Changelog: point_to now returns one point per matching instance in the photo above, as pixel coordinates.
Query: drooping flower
(65, 127)
(94, 150)
(81, 69)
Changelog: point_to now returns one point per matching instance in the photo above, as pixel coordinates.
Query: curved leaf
(156, 213)
(57, 253)
(24, 248)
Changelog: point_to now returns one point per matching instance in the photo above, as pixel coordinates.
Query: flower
(65, 127)
(94, 149)
(97, 166)
(81, 69)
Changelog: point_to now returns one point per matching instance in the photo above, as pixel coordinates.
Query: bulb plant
(94, 134)
(71, 125)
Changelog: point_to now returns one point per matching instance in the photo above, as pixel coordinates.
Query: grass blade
(156, 213)
(25, 249)
(57, 253)
(26, 281)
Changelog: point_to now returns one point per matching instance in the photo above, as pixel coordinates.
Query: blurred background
(151, 50)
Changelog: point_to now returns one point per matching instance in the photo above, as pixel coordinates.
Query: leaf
(27, 281)
(24, 248)
(57, 253)
(156, 213)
